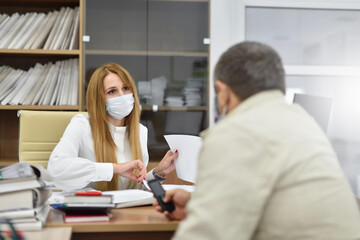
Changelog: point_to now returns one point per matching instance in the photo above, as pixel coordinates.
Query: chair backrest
(318, 107)
(39, 133)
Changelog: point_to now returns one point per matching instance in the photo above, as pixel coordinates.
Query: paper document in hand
(188, 148)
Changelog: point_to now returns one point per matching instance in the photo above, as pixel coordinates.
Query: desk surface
(136, 219)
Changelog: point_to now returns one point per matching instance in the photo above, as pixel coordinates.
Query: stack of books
(24, 195)
(85, 206)
(95, 206)
(54, 30)
(49, 84)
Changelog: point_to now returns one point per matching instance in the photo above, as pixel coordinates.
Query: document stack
(86, 206)
(54, 30)
(174, 101)
(24, 195)
(192, 96)
(49, 84)
(89, 205)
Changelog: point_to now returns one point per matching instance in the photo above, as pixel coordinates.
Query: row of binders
(54, 30)
(50, 84)
(24, 195)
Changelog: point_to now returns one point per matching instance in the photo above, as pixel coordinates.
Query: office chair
(39, 132)
(318, 107)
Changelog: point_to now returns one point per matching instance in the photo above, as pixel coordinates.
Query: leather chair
(39, 133)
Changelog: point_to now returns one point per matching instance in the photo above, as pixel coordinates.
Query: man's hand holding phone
(179, 198)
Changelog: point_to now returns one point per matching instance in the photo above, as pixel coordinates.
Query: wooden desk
(127, 223)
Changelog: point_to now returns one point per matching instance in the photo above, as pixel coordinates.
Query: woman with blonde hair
(107, 149)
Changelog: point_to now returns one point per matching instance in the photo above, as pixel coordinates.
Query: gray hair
(250, 67)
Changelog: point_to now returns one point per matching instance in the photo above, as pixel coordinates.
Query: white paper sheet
(188, 148)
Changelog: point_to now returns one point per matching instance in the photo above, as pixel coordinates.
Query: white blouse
(73, 164)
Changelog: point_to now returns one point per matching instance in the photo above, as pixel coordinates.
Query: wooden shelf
(175, 108)
(147, 53)
(40, 52)
(38, 107)
(43, 2)
(205, 1)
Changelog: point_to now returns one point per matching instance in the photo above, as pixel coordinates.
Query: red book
(78, 217)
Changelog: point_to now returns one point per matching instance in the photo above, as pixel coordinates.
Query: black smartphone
(159, 194)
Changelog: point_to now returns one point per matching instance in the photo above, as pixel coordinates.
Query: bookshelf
(24, 59)
(150, 38)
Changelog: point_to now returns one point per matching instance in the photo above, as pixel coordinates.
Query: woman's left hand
(129, 169)
(166, 165)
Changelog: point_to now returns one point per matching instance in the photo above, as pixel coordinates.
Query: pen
(88, 193)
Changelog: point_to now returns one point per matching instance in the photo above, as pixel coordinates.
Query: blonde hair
(104, 145)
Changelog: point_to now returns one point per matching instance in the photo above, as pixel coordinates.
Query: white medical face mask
(120, 107)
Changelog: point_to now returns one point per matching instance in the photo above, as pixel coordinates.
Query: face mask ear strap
(227, 91)
(224, 111)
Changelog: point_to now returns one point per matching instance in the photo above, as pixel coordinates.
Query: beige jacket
(268, 172)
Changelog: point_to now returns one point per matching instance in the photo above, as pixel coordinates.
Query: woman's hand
(166, 165)
(180, 198)
(127, 170)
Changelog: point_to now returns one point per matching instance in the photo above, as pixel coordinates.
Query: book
(131, 198)
(29, 224)
(65, 26)
(73, 95)
(57, 91)
(66, 44)
(7, 25)
(17, 86)
(40, 93)
(26, 220)
(13, 29)
(57, 37)
(82, 216)
(43, 32)
(32, 215)
(21, 35)
(83, 206)
(73, 198)
(22, 199)
(35, 213)
(121, 199)
(31, 96)
(17, 184)
(30, 31)
(10, 83)
(28, 85)
(54, 28)
(17, 170)
(74, 42)
(135, 203)
(50, 85)
(16, 180)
